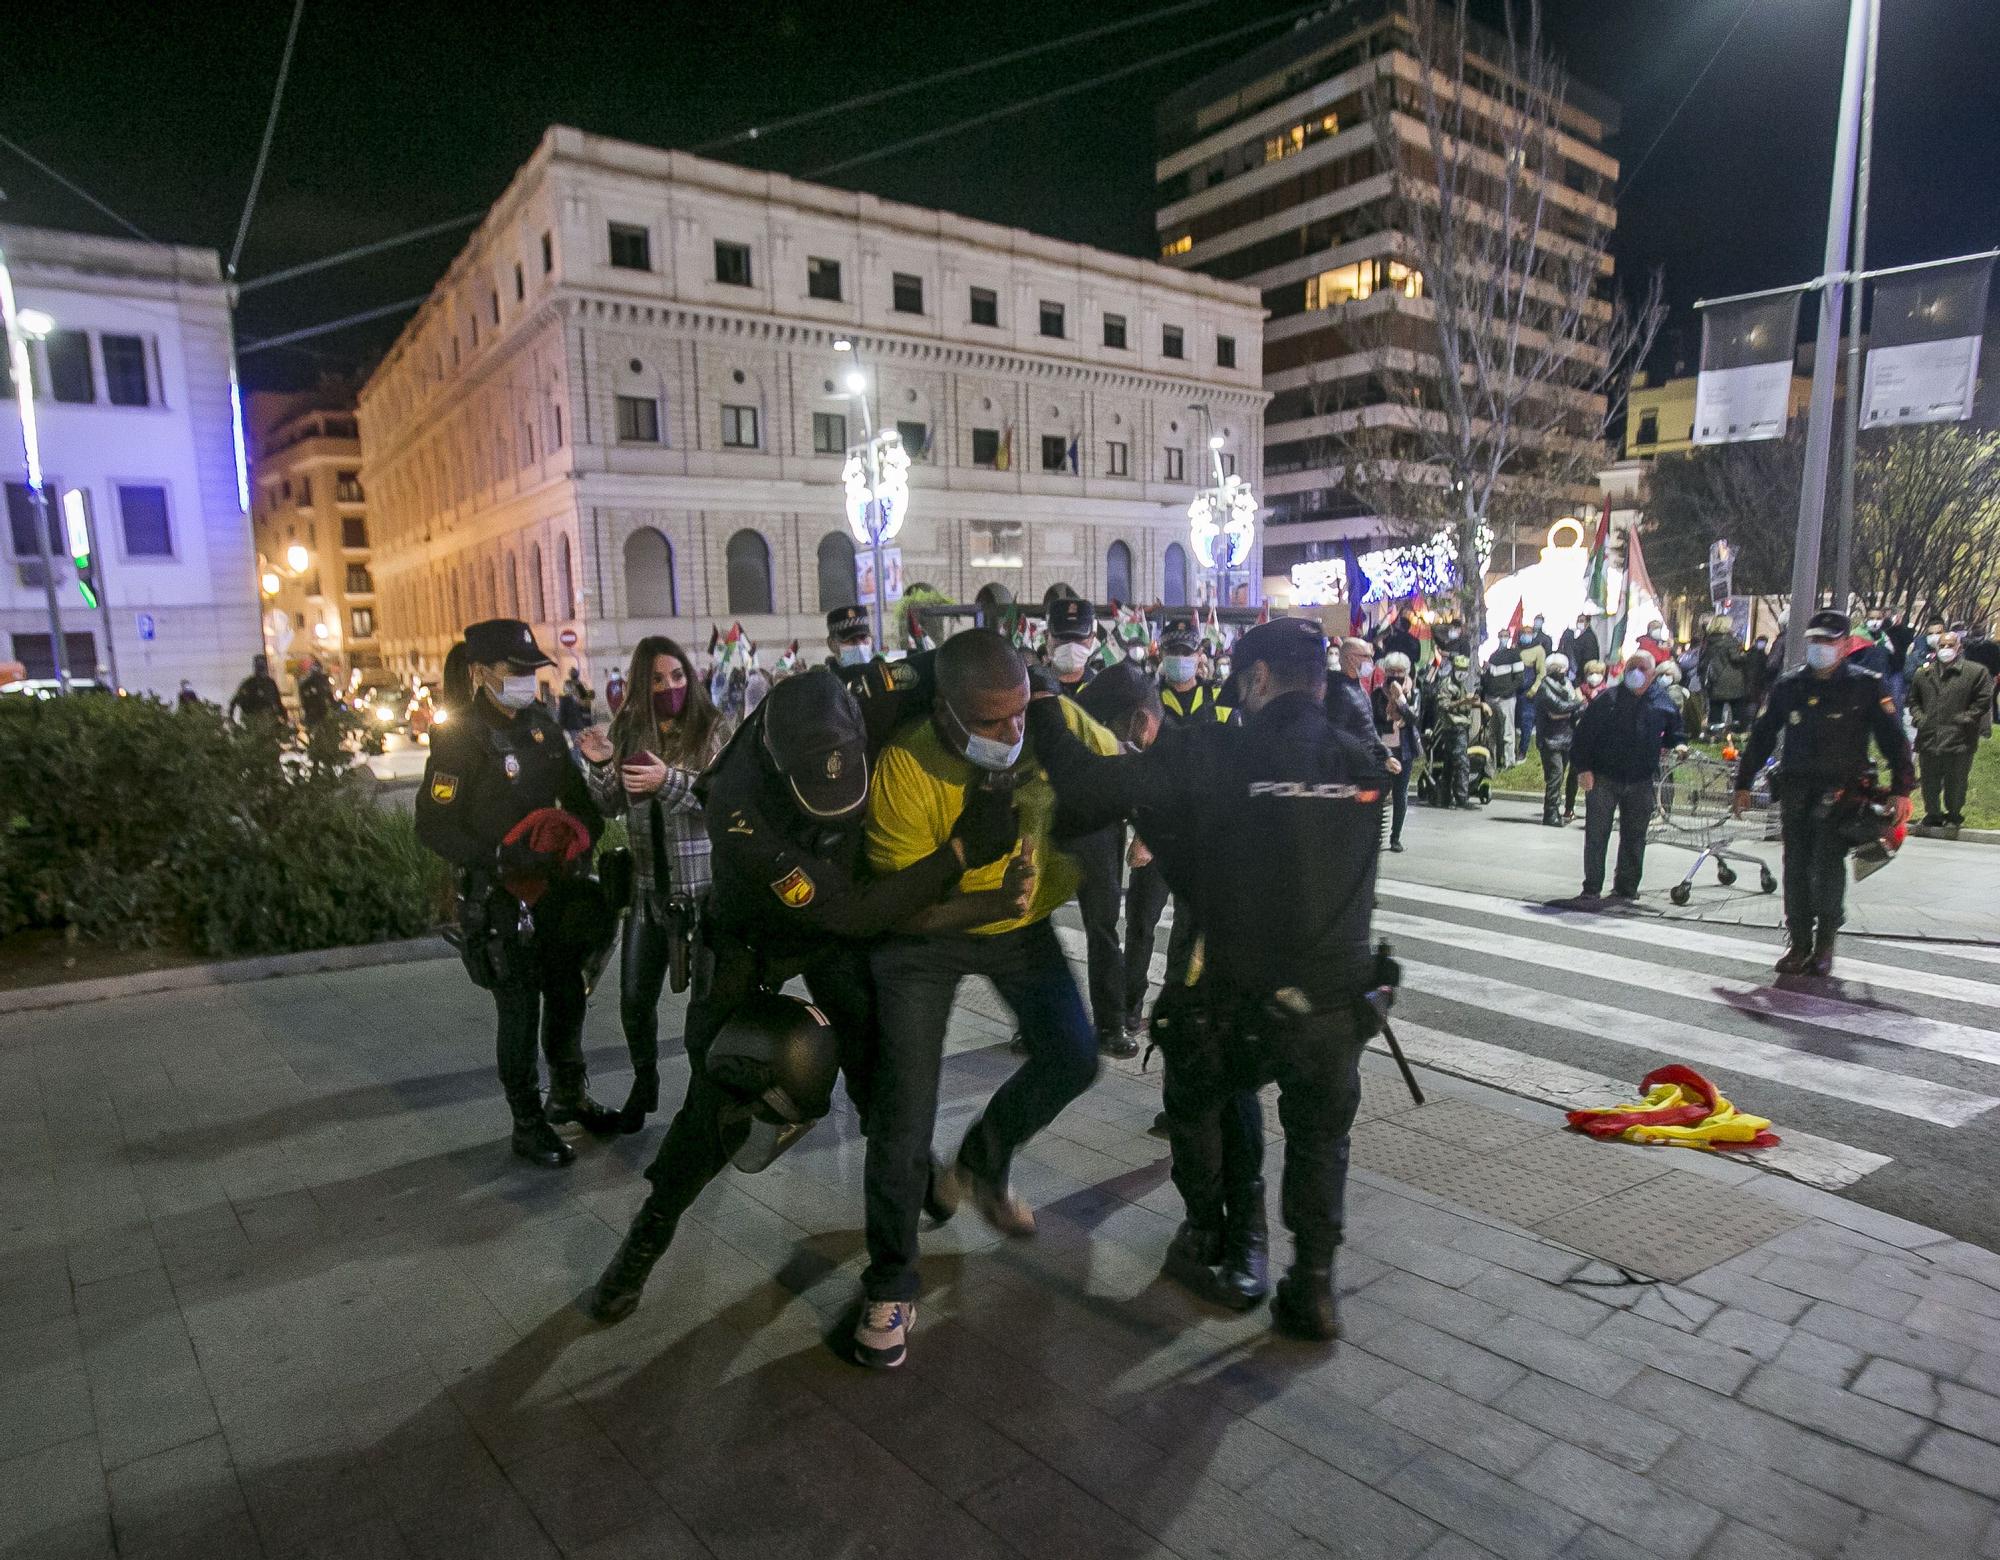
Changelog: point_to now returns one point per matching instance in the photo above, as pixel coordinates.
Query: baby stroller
(1463, 726)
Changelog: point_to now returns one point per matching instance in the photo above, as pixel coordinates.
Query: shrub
(127, 821)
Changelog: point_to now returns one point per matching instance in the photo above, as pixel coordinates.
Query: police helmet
(1865, 822)
(779, 1056)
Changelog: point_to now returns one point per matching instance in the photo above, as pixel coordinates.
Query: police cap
(1828, 625)
(1180, 636)
(845, 623)
(1071, 617)
(1283, 644)
(503, 640)
(815, 735)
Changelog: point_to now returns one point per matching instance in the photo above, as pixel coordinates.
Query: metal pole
(874, 505)
(31, 449)
(1843, 532)
(43, 521)
(1819, 420)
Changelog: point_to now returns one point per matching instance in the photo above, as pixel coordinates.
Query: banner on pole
(1923, 345)
(1721, 570)
(1745, 385)
(864, 576)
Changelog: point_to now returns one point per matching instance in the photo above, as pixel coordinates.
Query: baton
(1379, 1001)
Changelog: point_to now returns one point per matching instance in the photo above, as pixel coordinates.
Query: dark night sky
(400, 114)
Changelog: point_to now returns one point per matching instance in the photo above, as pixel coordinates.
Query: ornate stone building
(623, 411)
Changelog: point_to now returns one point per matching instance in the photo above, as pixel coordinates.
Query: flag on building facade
(1004, 456)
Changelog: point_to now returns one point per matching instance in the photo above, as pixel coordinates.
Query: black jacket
(1502, 679)
(1621, 734)
(1580, 647)
(1558, 706)
(1281, 828)
(1827, 724)
(486, 772)
(1351, 710)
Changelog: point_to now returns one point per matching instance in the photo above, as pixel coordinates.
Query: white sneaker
(881, 1338)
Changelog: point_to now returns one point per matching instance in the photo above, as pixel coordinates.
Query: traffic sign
(148, 629)
(567, 639)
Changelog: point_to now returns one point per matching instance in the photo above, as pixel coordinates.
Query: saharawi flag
(1923, 345)
(1744, 389)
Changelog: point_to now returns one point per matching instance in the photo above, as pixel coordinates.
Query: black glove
(520, 859)
(1045, 721)
(1042, 680)
(987, 826)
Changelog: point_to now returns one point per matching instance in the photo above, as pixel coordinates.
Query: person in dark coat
(1396, 716)
(1757, 671)
(1557, 706)
(1580, 643)
(1724, 678)
(1619, 739)
(1400, 638)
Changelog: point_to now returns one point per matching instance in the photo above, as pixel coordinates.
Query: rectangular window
(125, 370)
(70, 379)
(829, 433)
(1649, 428)
(493, 304)
(548, 252)
(359, 581)
(739, 427)
(631, 247)
(1052, 318)
(1117, 459)
(142, 510)
(347, 487)
(1225, 351)
(993, 544)
(1055, 452)
(520, 282)
(1176, 246)
(985, 306)
(1176, 465)
(1114, 330)
(732, 263)
(986, 446)
(305, 492)
(353, 531)
(1362, 279)
(558, 429)
(823, 279)
(638, 420)
(908, 293)
(21, 520)
(916, 439)
(361, 621)
(1172, 341)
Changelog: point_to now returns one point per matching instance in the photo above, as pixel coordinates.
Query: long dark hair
(635, 729)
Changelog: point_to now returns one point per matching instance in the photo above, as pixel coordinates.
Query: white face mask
(856, 654)
(1595, 679)
(1635, 679)
(1947, 653)
(517, 693)
(988, 753)
(1820, 655)
(1069, 657)
(1364, 671)
(1178, 668)
(1135, 652)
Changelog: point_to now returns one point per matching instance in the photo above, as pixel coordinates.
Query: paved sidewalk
(272, 1286)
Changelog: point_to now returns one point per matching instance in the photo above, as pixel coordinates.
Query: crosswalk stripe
(1668, 1039)
(1757, 998)
(1677, 934)
(1804, 1157)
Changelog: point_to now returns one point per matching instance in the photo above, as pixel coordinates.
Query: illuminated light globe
(892, 483)
(1230, 515)
(1556, 589)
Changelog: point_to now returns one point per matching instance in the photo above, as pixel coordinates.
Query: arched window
(749, 573)
(537, 590)
(1177, 581)
(513, 586)
(565, 578)
(649, 574)
(837, 585)
(1118, 573)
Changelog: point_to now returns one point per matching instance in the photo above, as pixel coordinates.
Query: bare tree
(1927, 525)
(1744, 494)
(1496, 351)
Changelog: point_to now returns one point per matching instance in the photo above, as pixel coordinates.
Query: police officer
(785, 806)
(500, 759)
(1827, 710)
(849, 640)
(1279, 828)
(1072, 641)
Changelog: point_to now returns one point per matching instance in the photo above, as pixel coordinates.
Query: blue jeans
(916, 979)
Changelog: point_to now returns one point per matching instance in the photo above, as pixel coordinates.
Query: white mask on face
(1135, 652)
(1947, 653)
(859, 654)
(1595, 679)
(1820, 655)
(988, 753)
(1069, 657)
(1635, 679)
(1178, 668)
(517, 693)
(1364, 671)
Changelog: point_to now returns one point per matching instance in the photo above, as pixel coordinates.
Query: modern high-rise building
(625, 411)
(129, 390)
(1271, 172)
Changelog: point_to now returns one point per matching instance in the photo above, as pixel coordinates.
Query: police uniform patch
(512, 765)
(795, 889)
(443, 787)
(738, 824)
(834, 765)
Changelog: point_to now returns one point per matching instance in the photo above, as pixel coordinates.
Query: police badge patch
(795, 889)
(443, 787)
(512, 765)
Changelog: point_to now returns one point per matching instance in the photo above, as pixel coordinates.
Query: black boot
(942, 1191)
(616, 1295)
(1796, 959)
(1191, 1260)
(535, 1140)
(1822, 951)
(570, 1102)
(642, 1101)
(1245, 1278)
(1303, 1306)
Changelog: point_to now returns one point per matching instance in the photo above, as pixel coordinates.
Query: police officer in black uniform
(499, 759)
(1279, 828)
(1827, 710)
(850, 642)
(785, 805)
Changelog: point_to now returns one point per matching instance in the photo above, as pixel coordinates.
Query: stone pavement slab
(270, 1285)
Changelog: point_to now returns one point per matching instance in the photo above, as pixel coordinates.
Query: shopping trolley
(1696, 812)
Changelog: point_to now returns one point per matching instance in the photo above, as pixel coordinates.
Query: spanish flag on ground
(1681, 1109)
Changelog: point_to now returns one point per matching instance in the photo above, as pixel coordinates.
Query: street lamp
(297, 559)
(1224, 514)
(23, 325)
(876, 481)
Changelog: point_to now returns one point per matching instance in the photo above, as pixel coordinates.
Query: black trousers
(543, 994)
(1399, 804)
(1945, 777)
(643, 961)
(1215, 1067)
(1555, 775)
(1146, 895)
(705, 1131)
(1630, 803)
(1101, 857)
(1815, 867)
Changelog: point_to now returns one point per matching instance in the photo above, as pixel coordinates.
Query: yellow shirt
(919, 790)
